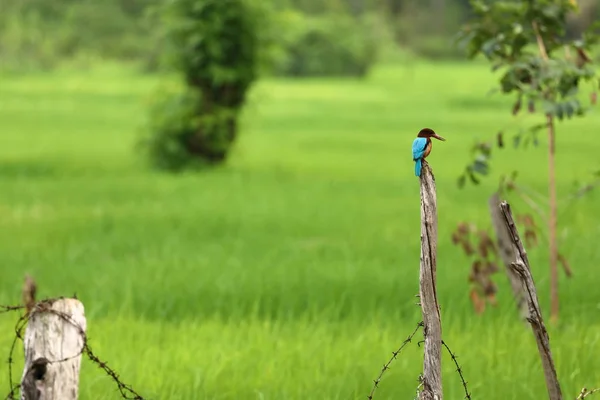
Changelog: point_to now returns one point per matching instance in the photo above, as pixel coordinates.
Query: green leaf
(497, 66)
(508, 81)
(481, 166)
(492, 91)
(517, 28)
(536, 128)
(569, 109)
(572, 91)
(484, 148)
(480, 7)
(489, 47)
(517, 140)
(517, 106)
(472, 176)
(559, 111)
(549, 108)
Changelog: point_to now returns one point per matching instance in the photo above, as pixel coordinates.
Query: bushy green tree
(214, 44)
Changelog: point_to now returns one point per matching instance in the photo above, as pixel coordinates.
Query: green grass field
(289, 273)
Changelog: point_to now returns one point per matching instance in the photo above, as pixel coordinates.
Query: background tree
(543, 68)
(214, 44)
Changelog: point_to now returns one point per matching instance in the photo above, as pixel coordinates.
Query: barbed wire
(128, 392)
(5, 309)
(386, 366)
(45, 306)
(586, 392)
(459, 370)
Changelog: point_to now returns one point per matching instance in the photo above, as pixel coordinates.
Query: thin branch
(531, 202)
(585, 393)
(554, 300)
(540, 41)
(533, 193)
(578, 194)
(521, 266)
(386, 366)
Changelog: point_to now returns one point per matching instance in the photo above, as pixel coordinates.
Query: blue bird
(422, 147)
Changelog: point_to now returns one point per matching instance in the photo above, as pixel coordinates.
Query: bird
(421, 147)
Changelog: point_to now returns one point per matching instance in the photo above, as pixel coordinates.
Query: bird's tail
(418, 167)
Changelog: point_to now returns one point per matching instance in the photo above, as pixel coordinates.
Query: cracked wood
(432, 325)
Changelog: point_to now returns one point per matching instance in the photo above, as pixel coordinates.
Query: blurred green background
(289, 271)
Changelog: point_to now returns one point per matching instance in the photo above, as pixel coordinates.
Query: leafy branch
(526, 41)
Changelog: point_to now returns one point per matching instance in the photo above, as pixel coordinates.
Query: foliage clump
(326, 45)
(477, 244)
(214, 45)
(41, 35)
(541, 66)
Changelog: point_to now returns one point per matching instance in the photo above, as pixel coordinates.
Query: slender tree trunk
(552, 195)
(554, 308)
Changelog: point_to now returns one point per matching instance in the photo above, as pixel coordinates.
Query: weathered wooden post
(53, 343)
(534, 314)
(507, 250)
(432, 324)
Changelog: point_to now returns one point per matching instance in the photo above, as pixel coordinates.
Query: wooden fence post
(53, 343)
(507, 250)
(432, 324)
(521, 267)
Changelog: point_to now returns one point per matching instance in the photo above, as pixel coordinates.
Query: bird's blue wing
(418, 147)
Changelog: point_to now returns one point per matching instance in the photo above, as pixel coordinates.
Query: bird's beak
(438, 137)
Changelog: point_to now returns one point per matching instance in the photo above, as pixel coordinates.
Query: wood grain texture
(432, 325)
(507, 251)
(53, 344)
(522, 268)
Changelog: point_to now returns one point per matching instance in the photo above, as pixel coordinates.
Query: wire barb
(395, 354)
(6, 309)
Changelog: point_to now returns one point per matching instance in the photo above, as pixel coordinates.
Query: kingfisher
(422, 147)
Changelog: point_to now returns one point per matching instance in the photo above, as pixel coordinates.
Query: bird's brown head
(426, 132)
